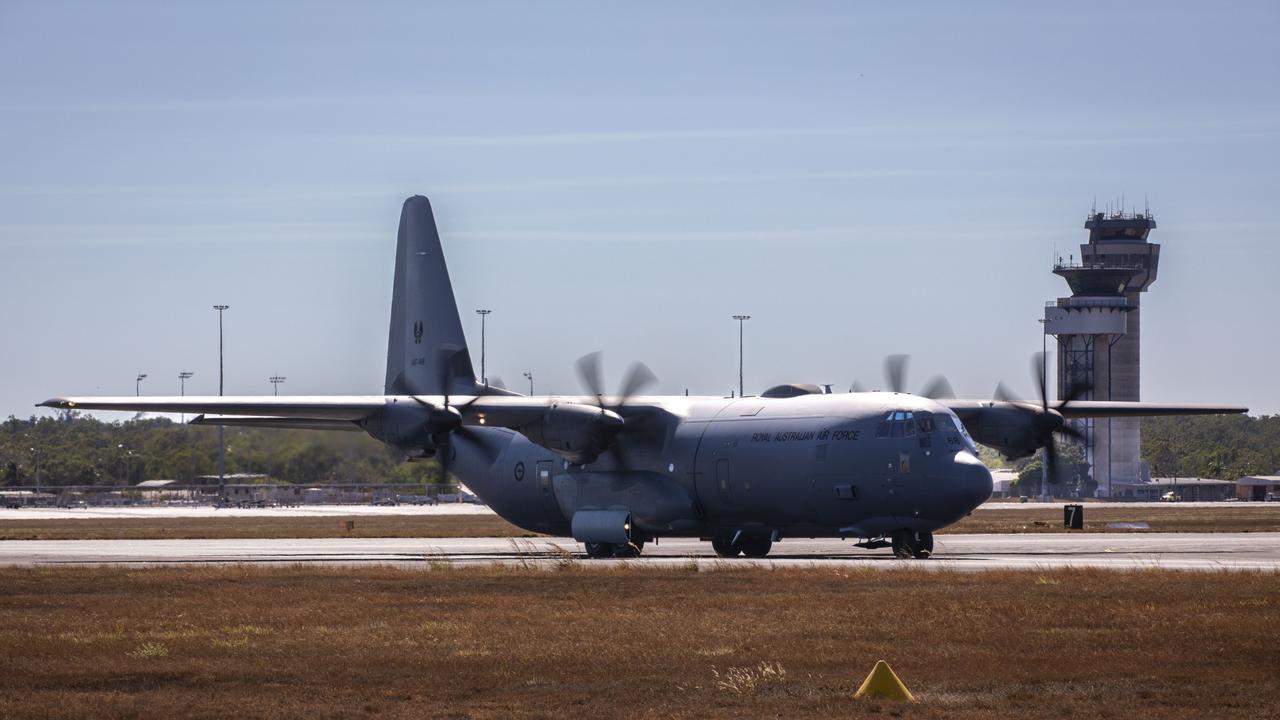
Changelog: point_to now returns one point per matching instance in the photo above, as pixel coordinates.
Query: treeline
(1227, 447)
(79, 450)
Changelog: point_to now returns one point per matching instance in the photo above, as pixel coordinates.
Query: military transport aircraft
(885, 469)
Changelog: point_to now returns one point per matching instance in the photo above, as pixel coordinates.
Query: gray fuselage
(852, 465)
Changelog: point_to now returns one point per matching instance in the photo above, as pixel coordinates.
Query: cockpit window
(948, 422)
(902, 423)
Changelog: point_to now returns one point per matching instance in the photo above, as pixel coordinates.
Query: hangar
(1258, 487)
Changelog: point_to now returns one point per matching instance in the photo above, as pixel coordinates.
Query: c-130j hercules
(886, 469)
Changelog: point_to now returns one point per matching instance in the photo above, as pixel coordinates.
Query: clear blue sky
(863, 179)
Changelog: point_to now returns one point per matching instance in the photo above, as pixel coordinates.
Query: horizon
(861, 182)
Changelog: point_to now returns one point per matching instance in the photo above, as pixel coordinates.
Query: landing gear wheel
(598, 550)
(756, 547)
(628, 550)
(725, 547)
(924, 545)
(912, 544)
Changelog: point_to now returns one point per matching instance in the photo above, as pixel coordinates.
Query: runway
(1181, 551)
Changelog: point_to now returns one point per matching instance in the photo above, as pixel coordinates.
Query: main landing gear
(752, 547)
(614, 550)
(912, 544)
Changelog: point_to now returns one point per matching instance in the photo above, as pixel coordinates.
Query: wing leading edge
(1101, 408)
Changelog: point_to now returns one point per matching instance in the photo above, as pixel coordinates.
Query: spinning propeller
(638, 377)
(895, 373)
(447, 423)
(1045, 422)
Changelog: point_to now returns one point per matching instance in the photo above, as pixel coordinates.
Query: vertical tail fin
(426, 349)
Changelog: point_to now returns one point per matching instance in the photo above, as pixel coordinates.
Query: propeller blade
(1074, 393)
(444, 457)
(857, 387)
(895, 371)
(621, 458)
(938, 389)
(1038, 375)
(1003, 394)
(1071, 431)
(1051, 460)
(639, 376)
(497, 382)
(487, 450)
(589, 374)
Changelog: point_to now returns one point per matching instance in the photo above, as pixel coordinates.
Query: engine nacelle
(417, 430)
(1016, 432)
(578, 433)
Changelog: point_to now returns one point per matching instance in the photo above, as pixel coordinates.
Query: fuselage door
(545, 487)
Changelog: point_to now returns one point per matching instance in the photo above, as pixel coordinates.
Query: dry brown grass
(633, 642)
(264, 526)
(1230, 518)
(1261, 517)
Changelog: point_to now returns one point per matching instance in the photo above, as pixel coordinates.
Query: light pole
(137, 384)
(530, 376)
(36, 450)
(222, 438)
(741, 319)
(1044, 373)
(483, 314)
(275, 383)
(182, 387)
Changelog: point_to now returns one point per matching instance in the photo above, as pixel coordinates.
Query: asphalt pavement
(1127, 551)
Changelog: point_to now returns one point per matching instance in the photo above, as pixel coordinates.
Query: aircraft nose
(973, 480)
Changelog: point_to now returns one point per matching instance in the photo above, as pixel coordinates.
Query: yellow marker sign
(883, 683)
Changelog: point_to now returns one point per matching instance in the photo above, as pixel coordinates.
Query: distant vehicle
(1273, 497)
(616, 471)
(1170, 496)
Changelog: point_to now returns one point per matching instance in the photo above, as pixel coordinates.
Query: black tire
(923, 545)
(598, 550)
(725, 547)
(901, 544)
(909, 544)
(628, 550)
(756, 547)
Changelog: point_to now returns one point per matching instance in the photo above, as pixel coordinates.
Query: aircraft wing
(318, 407)
(1103, 409)
(509, 411)
(285, 423)
(1099, 409)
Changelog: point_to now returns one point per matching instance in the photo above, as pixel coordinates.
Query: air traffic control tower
(1099, 331)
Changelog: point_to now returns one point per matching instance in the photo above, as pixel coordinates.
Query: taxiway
(1182, 551)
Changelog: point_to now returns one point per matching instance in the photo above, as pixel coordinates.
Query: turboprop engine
(576, 432)
(418, 430)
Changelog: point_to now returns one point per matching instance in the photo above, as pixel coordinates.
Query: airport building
(1098, 333)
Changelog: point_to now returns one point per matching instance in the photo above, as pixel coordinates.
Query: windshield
(950, 422)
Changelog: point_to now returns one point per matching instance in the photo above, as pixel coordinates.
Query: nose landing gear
(912, 544)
